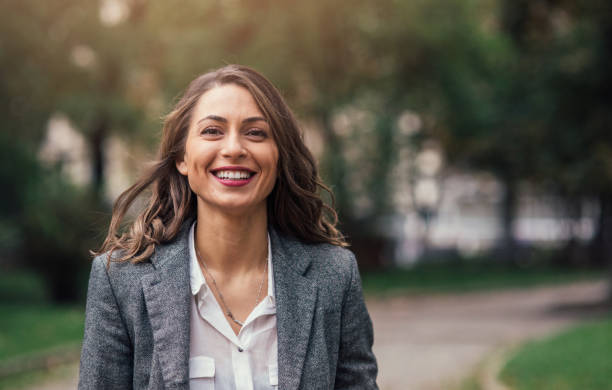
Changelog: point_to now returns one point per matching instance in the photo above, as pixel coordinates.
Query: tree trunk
(379, 181)
(508, 214)
(601, 246)
(335, 167)
(98, 133)
(573, 253)
(514, 17)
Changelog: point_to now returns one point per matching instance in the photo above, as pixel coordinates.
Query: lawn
(25, 329)
(575, 359)
(31, 326)
(28, 322)
(455, 278)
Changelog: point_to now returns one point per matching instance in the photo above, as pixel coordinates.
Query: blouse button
(240, 349)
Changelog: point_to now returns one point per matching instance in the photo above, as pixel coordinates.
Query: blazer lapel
(296, 298)
(167, 296)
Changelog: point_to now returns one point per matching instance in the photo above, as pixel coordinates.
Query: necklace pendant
(231, 316)
(238, 322)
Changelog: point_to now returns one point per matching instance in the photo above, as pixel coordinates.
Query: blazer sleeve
(106, 357)
(357, 367)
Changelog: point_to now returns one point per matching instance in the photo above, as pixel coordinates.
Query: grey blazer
(137, 320)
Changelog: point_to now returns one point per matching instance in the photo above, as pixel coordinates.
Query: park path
(434, 342)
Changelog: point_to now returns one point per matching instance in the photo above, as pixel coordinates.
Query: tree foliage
(520, 89)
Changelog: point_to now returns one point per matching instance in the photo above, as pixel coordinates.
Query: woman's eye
(258, 133)
(210, 131)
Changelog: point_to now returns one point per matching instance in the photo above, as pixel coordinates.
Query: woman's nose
(233, 147)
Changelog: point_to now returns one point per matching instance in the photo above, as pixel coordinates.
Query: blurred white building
(65, 146)
(468, 219)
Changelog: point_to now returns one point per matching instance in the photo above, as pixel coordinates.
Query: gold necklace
(228, 312)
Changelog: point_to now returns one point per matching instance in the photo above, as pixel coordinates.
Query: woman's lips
(234, 177)
(234, 182)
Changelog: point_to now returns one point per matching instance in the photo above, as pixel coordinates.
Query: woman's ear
(181, 166)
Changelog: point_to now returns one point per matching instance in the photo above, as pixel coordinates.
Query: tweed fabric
(137, 320)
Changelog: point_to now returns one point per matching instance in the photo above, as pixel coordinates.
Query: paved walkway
(433, 342)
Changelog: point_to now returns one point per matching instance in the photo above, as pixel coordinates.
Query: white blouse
(218, 358)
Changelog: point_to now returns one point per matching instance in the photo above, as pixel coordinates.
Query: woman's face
(230, 155)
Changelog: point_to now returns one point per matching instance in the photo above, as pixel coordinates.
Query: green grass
(30, 328)
(25, 329)
(22, 287)
(470, 384)
(576, 359)
(434, 278)
(38, 378)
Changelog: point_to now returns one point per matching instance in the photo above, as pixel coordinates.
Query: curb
(42, 360)
(488, 377)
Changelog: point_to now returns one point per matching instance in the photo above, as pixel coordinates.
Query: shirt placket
(243, 376)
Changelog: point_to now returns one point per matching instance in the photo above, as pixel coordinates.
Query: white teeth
(233, 175)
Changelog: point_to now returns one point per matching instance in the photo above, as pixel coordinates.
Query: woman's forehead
(227, 101)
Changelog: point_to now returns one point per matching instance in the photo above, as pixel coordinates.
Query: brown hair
(294, 205)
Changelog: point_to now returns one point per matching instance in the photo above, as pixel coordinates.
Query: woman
(232, 277)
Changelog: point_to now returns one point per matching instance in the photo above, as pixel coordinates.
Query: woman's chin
(236, 208)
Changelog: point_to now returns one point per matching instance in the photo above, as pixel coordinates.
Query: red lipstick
(233, 175)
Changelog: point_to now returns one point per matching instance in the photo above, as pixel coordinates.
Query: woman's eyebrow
(214, 118)
(254, 119)
(222, 119)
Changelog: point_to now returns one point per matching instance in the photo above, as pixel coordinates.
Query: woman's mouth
(233, 177)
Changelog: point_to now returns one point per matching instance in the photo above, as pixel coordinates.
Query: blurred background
(468, 144)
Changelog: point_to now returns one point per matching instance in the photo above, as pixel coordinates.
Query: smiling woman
(230, 155)
(234, 276)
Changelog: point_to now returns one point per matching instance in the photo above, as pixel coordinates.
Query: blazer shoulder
(120, 274)
(115, 268)
(332, 254)
(322, 262)
(164, 255)
(331, 261)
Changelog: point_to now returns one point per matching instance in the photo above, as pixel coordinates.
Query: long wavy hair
(294, 206)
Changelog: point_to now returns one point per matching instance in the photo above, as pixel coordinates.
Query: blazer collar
(169, 251)
(167, 295)
(296, 298)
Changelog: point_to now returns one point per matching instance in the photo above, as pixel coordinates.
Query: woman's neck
(232, 244)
